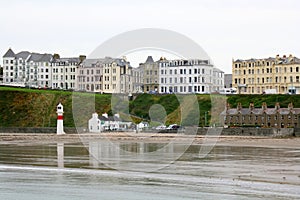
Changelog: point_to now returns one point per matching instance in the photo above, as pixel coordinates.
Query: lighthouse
(60, 119)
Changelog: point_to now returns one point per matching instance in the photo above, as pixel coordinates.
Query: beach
(259, 141)
(175, 166)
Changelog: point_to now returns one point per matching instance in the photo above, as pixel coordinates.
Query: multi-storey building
(262, 117)
(257, 76)
(189, 76)
(227, 80)
(31, 69)
(90, 75)
(64, 72)
(107, 75)
(150, 78)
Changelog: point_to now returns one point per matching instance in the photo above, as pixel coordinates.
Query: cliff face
(37, 108)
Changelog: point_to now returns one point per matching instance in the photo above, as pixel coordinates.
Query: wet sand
(293, 142)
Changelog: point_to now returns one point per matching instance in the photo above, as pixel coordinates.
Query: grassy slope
(37, 108)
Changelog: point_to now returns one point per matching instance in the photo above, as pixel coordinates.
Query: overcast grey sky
(225, 29)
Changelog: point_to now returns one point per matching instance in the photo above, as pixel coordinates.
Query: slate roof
(70, 60)
(110, 118)
(9, 54)
(259, 111)
(149, 59)
(107, 60)
(36, 57)
(23, 54)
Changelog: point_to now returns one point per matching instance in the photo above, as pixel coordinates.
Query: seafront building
(268, 75)
(40, 70)
(149, 73)
(189, 76)
(276, 117)
(64, 72)
(108, 75)
(25, 68)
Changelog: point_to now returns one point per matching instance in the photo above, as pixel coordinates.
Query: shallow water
(101, 170)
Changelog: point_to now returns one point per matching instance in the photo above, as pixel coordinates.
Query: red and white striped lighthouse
(60, 119)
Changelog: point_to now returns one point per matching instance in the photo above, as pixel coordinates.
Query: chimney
(290, 106)
(264, 106)
(277, 106)
(239, 106)
(82, 58)
(56, 56)
(251, 106)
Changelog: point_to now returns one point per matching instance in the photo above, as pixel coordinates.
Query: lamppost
(205, 117)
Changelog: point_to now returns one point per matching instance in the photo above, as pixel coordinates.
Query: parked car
(162, 127)
(173, 127)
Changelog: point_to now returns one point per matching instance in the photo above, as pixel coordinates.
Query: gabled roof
(36, 57)
(149, 59)
(23, 54)
(9, 54)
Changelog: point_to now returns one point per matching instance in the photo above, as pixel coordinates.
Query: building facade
(257, 76)
(150, 77)
(189, 76)
(64, 72)
(262, 117)
(27, 69)
(227, 80)
(107, 75)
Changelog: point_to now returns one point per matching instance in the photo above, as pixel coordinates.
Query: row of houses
(111, 75)
(279, 74)
(275, 117)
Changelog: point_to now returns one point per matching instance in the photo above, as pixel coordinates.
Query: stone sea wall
(245, 131)
(249, 131)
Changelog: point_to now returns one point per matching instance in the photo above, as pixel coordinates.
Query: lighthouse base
(60, 128)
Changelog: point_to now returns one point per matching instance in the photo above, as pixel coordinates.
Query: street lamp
(205, 117)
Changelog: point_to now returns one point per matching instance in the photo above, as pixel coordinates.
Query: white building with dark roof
(27, 68)
(64, 72)
(189, 76)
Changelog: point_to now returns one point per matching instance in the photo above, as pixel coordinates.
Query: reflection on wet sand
(228, 172)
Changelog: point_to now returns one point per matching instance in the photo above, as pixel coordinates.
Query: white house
(94, 124)
(107, 123)
(142, 125)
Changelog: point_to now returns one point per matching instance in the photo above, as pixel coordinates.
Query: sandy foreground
(293, 142)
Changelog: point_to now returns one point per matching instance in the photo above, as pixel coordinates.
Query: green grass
(21, 107)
